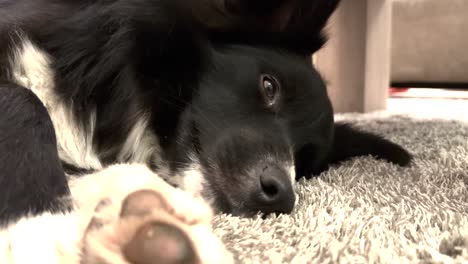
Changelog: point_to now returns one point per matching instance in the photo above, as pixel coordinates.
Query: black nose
(275, 194)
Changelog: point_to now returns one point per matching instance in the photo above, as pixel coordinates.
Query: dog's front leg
(32, 181)
(122, 214)
(130, 215)
(348, 142)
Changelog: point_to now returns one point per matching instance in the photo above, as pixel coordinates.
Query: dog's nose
(276, 194)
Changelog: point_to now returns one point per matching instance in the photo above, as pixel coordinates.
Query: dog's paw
(148, 229)
(153, 223)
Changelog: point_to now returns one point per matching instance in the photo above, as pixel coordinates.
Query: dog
(218, 97)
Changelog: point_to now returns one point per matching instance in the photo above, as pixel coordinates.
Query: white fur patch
(141, 144)
(52, 239)
(31, 68)
(193, 180)
(291, 169)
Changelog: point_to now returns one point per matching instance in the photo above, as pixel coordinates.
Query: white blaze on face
(291, 169)
(31, 68)
(292, 173)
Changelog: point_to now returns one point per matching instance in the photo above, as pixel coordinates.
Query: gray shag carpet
(369, 211)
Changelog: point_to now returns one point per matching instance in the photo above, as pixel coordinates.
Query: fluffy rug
(369, 211)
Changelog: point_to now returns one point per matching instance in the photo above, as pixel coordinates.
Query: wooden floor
(445, 105)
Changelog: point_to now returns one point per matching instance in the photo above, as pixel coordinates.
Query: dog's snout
(275, 194)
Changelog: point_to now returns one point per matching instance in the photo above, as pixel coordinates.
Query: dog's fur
(216, 96)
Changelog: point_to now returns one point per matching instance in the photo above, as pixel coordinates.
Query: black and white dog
(216, 96)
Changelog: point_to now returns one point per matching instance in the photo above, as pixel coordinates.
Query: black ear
(350, 142)
(305, 31)
(293, 25)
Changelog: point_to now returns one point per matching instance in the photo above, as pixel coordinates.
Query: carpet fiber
(369, 211)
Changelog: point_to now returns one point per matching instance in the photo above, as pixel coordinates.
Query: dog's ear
(350, 142)
(269, 15)
(293, 25)
(243, 15)
(305, 30)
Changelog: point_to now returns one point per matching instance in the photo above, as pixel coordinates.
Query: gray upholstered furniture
(430, 42)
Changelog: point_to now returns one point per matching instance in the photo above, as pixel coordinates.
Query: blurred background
(397, 55)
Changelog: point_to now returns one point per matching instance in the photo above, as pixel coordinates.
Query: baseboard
(445, 85)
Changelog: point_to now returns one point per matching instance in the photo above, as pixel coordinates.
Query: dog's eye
(270, 89)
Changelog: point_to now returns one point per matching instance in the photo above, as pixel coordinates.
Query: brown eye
(270, 89)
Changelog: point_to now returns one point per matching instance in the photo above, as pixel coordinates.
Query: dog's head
(254, 110)
(261, 116)
(257, 106)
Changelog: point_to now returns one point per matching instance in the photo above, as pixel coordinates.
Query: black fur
(350, 142)
(303, 30)
(30, 166)
(195, 68)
